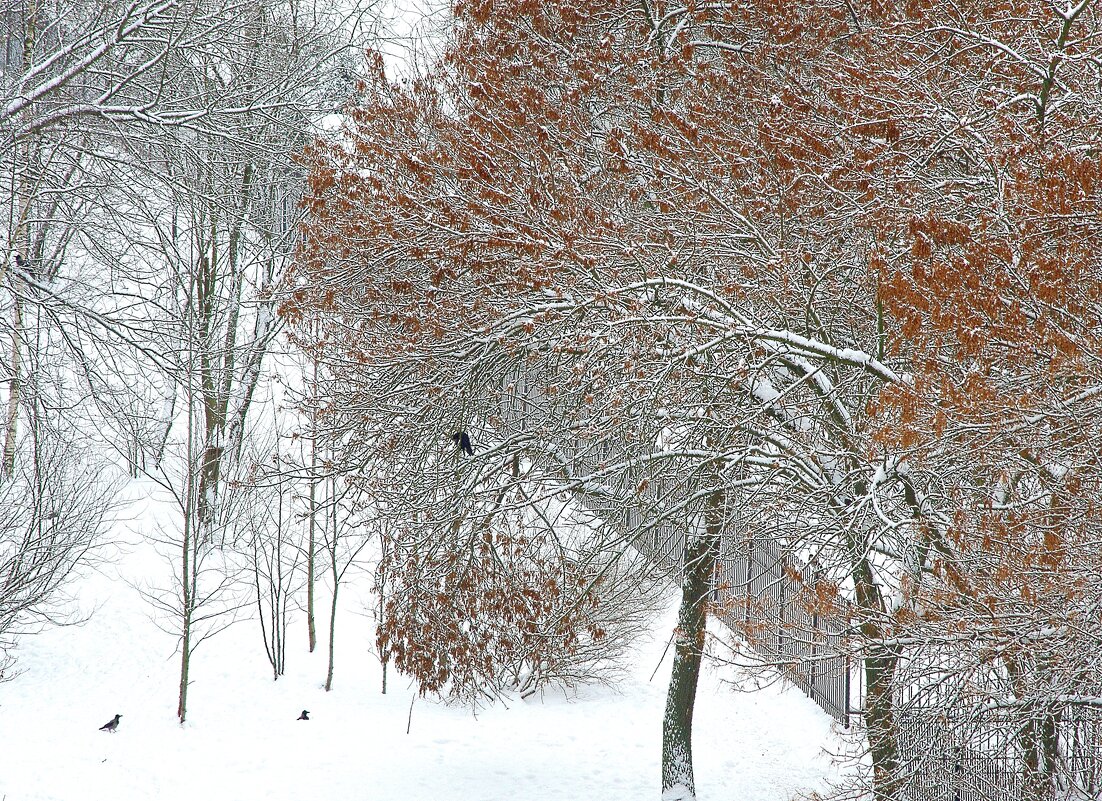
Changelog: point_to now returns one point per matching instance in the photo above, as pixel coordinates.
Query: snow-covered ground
(242, 741)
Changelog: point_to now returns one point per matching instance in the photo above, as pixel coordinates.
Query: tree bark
(332, 630)
(336, 573)
(701, 553)
(187, 567)
(188, 557)
(1037, 737)
(15, 385)
(879, 664)
(311, 532)
(185, 665)
(21, 242)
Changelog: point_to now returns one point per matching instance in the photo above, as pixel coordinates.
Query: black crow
(464, 442)
(111, 725)
(304, 716)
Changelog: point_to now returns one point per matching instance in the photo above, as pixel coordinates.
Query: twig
(669, 642)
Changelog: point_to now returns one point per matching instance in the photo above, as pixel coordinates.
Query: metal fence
(759, 588)
(761, 593)
(952, 758)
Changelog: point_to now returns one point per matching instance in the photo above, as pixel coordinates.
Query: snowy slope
(242, 741)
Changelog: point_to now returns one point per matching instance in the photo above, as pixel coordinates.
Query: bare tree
(115, 116)
(211, 580)
(269, 530)
(151, 155)
(54, 509)
(346, 531)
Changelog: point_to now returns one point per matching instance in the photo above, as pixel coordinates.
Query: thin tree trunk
(20, 241)
(311, 531)
(185, 665)
(279, 630)
(188, 537)
(384, 654)
(185, 577)
(311, 527)
(332, 627)
(15, 386)
(380, 583)
(336, 573)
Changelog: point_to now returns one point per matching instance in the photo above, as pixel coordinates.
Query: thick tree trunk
(701, 552)
(880, 666)
(1038, 735)
(1038, 742)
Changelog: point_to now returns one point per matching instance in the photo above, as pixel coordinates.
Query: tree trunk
(1038, 735)
(332, 632)
(677, 725)
(311, 525)
(311, 531)
(1039, 754)
(187, 600)
(188, 567)
(880, 665)
(336, 573)
(185, 665)
(15, 385)
(21, 243)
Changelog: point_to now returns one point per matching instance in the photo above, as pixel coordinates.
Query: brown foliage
(506, 614)
(640, 201)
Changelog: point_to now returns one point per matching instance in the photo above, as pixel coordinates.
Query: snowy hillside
(242, 740)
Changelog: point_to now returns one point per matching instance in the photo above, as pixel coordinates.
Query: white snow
(242, 740)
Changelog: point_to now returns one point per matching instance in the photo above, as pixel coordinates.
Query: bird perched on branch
(464, 442)
(304, 716)
(111, 725)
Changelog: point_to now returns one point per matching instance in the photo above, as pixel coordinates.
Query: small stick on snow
(661, 658)
(409, 720)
